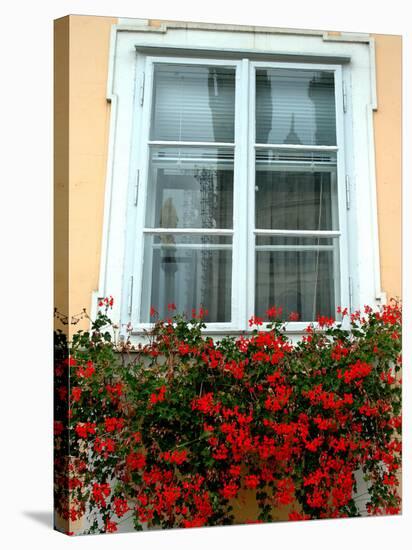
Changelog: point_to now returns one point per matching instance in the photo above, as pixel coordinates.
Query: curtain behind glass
(298, 274)
(189, 271)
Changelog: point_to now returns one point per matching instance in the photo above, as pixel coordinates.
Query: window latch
(347, 187)
(136, 188)
(350, 294)
(344, 97)
(129, 309)
(141, 96)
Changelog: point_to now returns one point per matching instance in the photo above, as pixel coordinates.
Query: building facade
(230, 167)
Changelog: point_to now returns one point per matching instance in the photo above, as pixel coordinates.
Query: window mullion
(192, 143)
(298, 232)
(241, 272)
(250, 238)
(297, 147)
(344, 260)
(187, 231)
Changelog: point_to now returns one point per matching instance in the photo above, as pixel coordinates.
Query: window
(238, 193)
(239, 179)
(189, 227)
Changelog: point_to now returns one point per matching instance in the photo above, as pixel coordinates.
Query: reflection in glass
(189, 271)
(190, 187)
(300, 274)
(193, 103)
(295, 190)
(295, 107)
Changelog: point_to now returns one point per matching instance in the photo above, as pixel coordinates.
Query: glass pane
(295, 190)
(190, 187)
(300, 274)
(295, 106)
(189, 271)
(193, 103)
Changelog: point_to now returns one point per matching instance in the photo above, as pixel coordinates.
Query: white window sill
(290, 328)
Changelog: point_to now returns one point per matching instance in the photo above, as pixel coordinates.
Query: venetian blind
(295, 107)
(193, 103)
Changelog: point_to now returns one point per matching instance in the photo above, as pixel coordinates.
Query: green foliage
(169, 432)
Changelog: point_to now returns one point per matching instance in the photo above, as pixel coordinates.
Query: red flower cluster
(251, 482)
(254, 320)
(339, 351)
(175, 457)
(236, 368)
(356, 371)
(205, 404)
(110, 526)
(99, 493)
(105, 446)
(86, 372)
(115, 391)
(285, 492)
(328, 400)
(390, 315)
(120, 506)
(136, 461)
(113, 424)
(325, 321)
(230, 490)
(83, 429)
(199, 314)
(76, 393)
(274, 312)
(280, 398)
(289, 423)
(388, 377)
(158, 396)
(106, 302)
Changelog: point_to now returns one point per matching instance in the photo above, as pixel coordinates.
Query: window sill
(290, 328)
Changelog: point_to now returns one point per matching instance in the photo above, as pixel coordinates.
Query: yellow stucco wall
(81, 135)
(388, 153)
(61, 164)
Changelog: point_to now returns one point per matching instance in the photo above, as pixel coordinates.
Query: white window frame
(358, 224)
(135, 269)
(341, 233)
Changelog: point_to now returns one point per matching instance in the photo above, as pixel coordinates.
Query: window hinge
(141, 96)
(344, 97)
(347, 188)
(129, 309)
(136, 188)
(350, 294)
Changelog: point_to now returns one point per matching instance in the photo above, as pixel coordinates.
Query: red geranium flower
(274, 312)
(76, 393)
(111, 526)
(136, 461)
(254, 320)
(251, 482)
